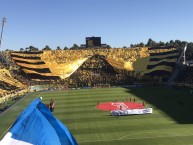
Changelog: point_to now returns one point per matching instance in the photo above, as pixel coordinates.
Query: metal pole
(3, 24)
(185, 53)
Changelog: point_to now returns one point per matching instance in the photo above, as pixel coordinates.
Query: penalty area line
(173, 134)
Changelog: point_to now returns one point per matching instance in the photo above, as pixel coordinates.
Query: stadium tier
(106, 63)
(9, 86)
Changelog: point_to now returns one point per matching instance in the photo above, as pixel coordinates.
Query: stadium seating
(186, 77)
(127, 63)
(88, 67)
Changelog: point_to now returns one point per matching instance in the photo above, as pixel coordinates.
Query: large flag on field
(37, 126)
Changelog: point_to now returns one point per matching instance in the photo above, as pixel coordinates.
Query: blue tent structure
(36, 125)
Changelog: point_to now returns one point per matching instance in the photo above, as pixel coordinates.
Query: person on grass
(52, 105)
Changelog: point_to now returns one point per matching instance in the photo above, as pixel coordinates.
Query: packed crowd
(95, 71)
(61, 56)
(186, 77)
(10, 86)
(98, 71)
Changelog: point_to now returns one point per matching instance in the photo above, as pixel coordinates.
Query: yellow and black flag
(32, 65)
(162, 61)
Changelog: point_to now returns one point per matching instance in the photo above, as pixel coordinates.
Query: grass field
(170, 124)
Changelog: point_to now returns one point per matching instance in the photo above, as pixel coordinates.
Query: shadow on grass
(175, 102)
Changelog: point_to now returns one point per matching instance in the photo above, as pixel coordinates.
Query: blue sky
(118, 22)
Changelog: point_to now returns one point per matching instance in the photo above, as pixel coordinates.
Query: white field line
(122, 138)
(166, 132)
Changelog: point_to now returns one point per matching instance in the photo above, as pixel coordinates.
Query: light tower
(185, 54)
(3, 24)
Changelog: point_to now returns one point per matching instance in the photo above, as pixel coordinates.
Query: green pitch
(170, 124)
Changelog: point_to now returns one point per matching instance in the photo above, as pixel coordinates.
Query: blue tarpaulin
(36, 125)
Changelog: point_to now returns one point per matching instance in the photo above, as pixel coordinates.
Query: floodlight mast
(3, 24)
(185, 47)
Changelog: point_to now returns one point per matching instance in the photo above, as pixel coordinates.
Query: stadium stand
(10, 86)
(126, 63)
(186, 77)
(63, 69)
